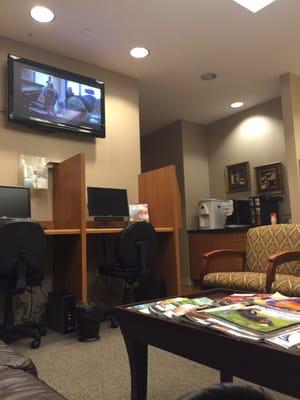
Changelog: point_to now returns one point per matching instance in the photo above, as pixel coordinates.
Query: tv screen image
(54, 98)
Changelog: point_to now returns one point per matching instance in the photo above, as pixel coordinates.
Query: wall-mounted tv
(54, 99)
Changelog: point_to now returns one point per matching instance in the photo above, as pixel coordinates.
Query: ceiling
(186, 38)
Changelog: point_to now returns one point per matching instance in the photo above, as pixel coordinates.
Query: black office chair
(135, 250)
(22, 252)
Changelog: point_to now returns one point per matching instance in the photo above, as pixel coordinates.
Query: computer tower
(61, 312)
(150, 289)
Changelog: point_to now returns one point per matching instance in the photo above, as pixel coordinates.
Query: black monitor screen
(14, 202)
(47, 96)
(104, 202)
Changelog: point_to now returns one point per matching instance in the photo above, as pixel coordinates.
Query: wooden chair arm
(277, 259)
(223, 252)
(211, 255)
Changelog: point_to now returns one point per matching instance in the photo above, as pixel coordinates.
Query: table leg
(138, 360)
(225, 376)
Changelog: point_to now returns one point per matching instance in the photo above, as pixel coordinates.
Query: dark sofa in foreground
(19, 378)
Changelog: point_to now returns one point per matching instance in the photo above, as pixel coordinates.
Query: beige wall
(164, 147)
(161, 148)
(183, 144)
(112, 162)
(255, 135)
(290, 95)
(195, 164)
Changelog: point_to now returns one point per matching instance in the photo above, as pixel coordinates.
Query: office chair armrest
(212, 255)
(277, 259)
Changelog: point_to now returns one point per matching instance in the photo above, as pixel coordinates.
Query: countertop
(233, 228)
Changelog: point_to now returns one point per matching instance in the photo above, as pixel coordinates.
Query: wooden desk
(67, 244)
(68, 232)
(259, 363)
(100, 231)
(63, 232)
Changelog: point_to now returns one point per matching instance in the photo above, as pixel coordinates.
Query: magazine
(289, 304)
(142, 308)
(178, 306)
(289, 339)
(201, 318)
(244, 298)
(255, 318)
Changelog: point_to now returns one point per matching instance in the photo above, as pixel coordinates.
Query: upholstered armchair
(271, 262)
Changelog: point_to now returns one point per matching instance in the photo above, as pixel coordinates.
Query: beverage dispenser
(210, 214)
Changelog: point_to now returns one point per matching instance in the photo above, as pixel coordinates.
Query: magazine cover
(236, 298)
(291, 304)
(178, 306)
(200, 318)
(256, 318)
(138, 212)
(289, 339)
(143, 308)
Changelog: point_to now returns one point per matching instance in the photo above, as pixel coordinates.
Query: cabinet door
(201, 243)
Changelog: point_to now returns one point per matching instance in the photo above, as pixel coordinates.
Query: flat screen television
(54, 99)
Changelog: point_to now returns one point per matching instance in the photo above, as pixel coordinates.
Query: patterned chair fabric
(253, 282)
(262, 242)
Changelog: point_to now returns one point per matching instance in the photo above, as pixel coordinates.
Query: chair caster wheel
(35, 344)
(43, 330)
(114, 324)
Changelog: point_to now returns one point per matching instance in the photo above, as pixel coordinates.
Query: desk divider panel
(159, 189)
(69, 212)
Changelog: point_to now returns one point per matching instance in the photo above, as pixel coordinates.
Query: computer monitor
(14, 202)
(107, 203)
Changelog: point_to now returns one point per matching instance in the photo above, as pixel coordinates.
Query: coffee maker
(211, 215)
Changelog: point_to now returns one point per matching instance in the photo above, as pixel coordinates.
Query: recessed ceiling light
(237, 104)
(208, 76)
(254, 5)
(139, 52)
(42, 14)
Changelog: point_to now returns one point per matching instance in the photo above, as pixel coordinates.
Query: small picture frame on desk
(237, 177)
(269, 178)
(138, 212)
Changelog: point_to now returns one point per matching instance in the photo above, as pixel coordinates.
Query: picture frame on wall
(269, 178)
(237, 177)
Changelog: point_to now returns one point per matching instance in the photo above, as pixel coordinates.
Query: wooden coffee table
(260, 363)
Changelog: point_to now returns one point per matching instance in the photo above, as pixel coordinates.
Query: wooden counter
(203, 240)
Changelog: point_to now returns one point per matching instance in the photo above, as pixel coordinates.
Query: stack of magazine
(270, 318)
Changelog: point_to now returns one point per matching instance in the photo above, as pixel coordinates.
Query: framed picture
(237, 177)
(269, 178)
(138, 212)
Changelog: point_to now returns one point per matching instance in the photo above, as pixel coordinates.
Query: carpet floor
(100, 370)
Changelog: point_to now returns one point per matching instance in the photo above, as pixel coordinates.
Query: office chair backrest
(137, 240)
(22, 252)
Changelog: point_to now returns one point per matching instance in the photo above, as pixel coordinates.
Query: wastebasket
(89, 316)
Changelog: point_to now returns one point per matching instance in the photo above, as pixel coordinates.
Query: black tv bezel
(61, 73)
(5, 217)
